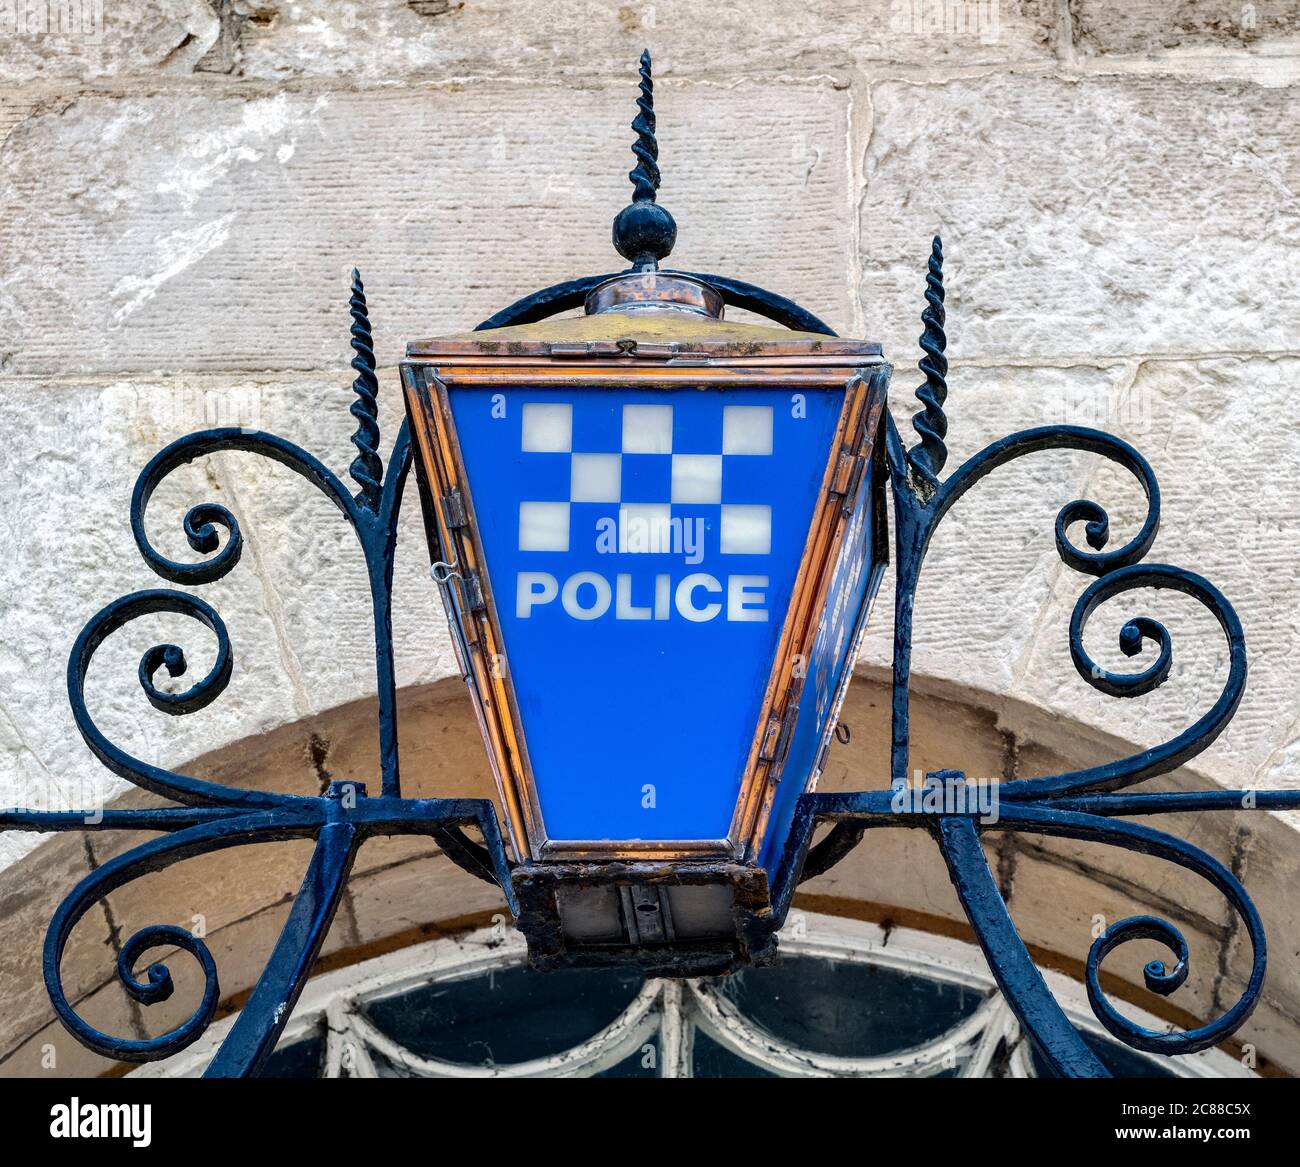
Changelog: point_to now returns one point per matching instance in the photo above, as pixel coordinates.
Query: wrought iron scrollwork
(1080, 804)
(206, 816)
(210, 816)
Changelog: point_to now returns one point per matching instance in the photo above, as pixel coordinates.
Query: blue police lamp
(657, 535)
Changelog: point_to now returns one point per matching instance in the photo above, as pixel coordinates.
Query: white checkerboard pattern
(596, 477)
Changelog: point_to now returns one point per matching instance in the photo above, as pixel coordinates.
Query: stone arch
(404, 891)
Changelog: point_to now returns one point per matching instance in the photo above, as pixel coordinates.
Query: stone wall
(188, 184)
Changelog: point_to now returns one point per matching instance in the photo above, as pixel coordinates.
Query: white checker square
(747, 429)
(645, 527)
(548, 429)
(647, 429)
(596, 478)
(543, 526)
(746, 530)
(697, 478)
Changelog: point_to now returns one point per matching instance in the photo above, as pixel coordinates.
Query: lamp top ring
(653, 291)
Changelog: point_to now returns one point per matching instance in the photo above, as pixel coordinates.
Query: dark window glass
(849, 1009)
(298, 1059)
(711, 1060)
(511, 1015)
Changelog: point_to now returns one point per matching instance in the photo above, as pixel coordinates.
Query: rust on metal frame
(486, 661)
(846, 476)
(753, 941)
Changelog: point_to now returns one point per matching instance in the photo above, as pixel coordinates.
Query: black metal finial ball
(644, 233)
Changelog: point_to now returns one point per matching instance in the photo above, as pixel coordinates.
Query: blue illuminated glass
(640, 626)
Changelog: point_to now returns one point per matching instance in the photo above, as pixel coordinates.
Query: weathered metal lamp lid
(621, 332)
(648, 315)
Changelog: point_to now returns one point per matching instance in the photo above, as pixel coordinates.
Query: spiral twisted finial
(367, 469)
(643, 231)
(645, 175)
(928, 457)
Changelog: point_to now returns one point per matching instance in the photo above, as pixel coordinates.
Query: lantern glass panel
(643, 548)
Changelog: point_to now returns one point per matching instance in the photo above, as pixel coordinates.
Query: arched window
(847, 999)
